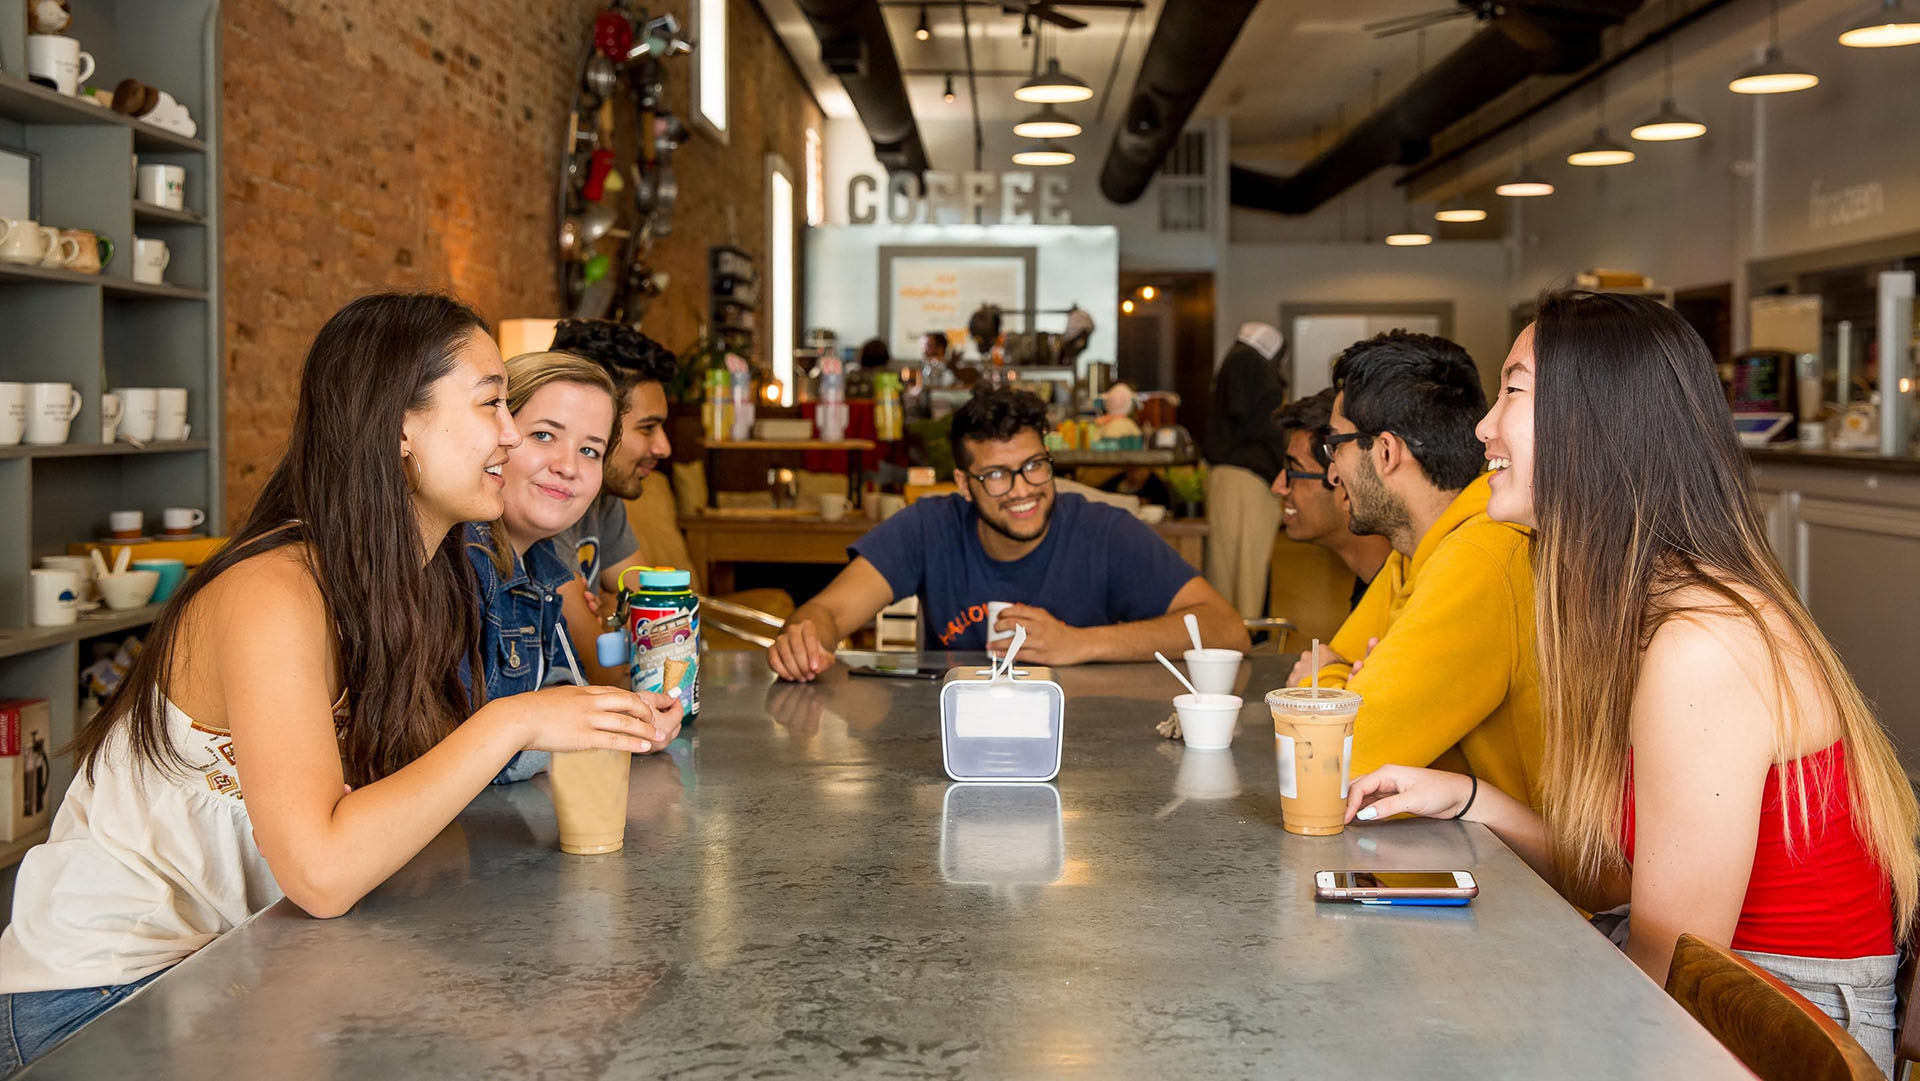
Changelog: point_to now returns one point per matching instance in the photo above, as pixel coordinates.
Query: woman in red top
(1708, 758)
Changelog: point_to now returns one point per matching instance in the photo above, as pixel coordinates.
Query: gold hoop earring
(411, 467)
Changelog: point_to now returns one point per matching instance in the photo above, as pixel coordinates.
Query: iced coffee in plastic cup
(590, 799)
(1313, 743)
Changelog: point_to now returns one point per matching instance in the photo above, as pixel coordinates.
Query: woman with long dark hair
(1708, 757)
(316, 660)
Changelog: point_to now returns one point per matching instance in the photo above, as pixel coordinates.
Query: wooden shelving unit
(105, 331)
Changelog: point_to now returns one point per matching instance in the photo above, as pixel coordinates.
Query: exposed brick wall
(371, 145)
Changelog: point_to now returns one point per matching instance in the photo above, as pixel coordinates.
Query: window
(781, 317)
(710, 53)
(816, 180)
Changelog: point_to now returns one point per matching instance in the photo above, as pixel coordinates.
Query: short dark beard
(1046, 522)
(638, 476)
(1372, 511)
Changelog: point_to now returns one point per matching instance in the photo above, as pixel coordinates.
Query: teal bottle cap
(666, 578)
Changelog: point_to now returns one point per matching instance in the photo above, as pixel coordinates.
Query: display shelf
(26, 102)
(793, 444)
(122, 287)
(28, 640)
(1075, 458)
(101, 450)
(113, 286)
(164, 215)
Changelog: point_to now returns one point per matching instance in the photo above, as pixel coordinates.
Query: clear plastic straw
(1316, 664)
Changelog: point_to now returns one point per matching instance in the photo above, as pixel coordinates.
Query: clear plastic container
(1006, 730)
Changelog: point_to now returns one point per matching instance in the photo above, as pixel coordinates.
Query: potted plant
(1188, 483)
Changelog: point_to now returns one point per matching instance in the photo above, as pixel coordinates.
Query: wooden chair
(1767, 1025)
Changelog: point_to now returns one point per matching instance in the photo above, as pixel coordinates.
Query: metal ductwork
(1530, 38)
(854, 45)
(1189, 43)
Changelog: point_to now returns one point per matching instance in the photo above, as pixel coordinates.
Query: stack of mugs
(40, 414)
(145, 414)
(25, 242)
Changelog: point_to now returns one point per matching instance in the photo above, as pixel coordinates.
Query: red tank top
(1829, 899)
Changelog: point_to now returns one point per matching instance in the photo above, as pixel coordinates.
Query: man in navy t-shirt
(1089, 582)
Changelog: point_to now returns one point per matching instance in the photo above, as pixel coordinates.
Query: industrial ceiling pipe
(1533, 39)
(854, 46)
(1188, 45)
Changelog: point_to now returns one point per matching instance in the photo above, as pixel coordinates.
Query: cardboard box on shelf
(26, 726)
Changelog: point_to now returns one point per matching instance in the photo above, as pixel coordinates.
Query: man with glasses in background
(1089, 582)
(1441, 649)
(1313, 510)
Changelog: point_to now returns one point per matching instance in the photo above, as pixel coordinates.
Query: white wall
(1074, 265)
(1470, 274)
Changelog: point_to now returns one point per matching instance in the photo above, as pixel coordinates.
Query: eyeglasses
(1334, 439)
(1301, 474)
(999, 480)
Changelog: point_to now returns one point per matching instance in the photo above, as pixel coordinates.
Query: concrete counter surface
(1858, 460)
(803, 894)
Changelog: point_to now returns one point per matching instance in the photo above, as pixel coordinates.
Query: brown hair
(526, 374)
(340, 493)
(1644, 502)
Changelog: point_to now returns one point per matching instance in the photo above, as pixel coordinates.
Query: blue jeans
(31, 1022)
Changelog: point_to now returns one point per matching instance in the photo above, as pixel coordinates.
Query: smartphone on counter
(905, 671)
(1414, 889)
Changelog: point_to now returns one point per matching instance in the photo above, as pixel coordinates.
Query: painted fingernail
(1367, 814)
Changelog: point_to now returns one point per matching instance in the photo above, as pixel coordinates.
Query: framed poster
(924, 289)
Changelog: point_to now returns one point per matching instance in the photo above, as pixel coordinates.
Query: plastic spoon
(1162, 658)
(121, 558)
(99, 563)
(1193, 631)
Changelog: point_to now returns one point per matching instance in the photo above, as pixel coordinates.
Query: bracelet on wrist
(1471, 794)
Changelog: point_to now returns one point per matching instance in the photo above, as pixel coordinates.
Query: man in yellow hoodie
(1441, 649)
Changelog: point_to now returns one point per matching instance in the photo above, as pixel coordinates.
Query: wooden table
(716, 543)
(802, 894)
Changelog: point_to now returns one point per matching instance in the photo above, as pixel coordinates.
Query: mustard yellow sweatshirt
(1454, 682)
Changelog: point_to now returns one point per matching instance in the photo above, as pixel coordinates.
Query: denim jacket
(520, 628)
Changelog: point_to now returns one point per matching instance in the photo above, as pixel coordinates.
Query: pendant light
(1048, 123)
(923, 31)
(1601, 151)
(1043, 152)
(1525, 183)
(947, 95)
(1669, 124)
(1774, 74)
(1053, 87)
(1457, 210)
(1886, 25)
(1409, 238)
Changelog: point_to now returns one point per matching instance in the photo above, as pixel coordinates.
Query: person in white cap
(1244, 455)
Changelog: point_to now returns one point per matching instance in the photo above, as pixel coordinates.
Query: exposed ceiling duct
(1188, 45)
(1529, 38)
(854, 46)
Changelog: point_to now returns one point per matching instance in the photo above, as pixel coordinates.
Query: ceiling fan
(1480, 10)
(1049, 10)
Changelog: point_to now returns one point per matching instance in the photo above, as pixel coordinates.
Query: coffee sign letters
(973, 198)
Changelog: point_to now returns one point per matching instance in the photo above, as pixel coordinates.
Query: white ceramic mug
(56, 597)
(13, 413)
(79, 565)
(23, 240)
(61, 250)
(833, 506)
(126, 524)
(162, 185)
(141, 413)
(170, 413)
(51, 408)
(111, 410)
(57, 57)
(150, 259)
(179, 521)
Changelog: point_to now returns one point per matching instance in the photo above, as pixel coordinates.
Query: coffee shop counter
(802, 894)
(718, 541)
(1846, 525)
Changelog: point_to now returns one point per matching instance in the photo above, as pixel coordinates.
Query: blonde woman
(1708, 759)
(568, 412)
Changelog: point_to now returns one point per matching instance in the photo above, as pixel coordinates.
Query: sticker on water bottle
(1289, 787)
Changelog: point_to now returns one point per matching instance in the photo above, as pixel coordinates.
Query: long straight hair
(341, 493)
(526, 374)
(1643, 497)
